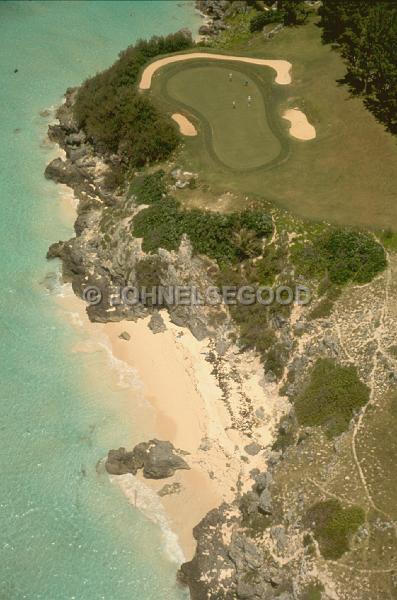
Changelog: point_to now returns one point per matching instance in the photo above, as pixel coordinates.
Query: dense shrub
(343, 255)
(331, 397)
(117, 118)
(352, 256)
(313, 592)
(261, 19)
(148, 189)
(295, 11)
(333, 526)
(163, 223)
(270, 264)
(114, 178)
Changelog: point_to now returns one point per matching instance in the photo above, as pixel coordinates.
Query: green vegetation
(216, 235)
(335, 191)
(116, 118)
(331, 397)
(378, 439)
(148, 189)
(149, 271)
(287, 434)
(255, 320)
(295, 11)
(289, 12)
(313, 592)
(237, 33)
(352, 256)
(239, 138)
(326, 303)
(258, 21)
(114, 177)
(342, 255)
(366, 32)
(333, 526)
(389, 239)
(271, 263)
(254, 520)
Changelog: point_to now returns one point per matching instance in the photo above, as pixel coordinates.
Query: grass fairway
(346, 175)
(242, 137)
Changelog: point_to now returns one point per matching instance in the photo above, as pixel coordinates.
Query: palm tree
(248, 245)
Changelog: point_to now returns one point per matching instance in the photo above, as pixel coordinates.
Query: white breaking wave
(54, 285)
(148, 502)
(127, 376)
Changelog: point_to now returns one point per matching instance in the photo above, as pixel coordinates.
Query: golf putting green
(238, 131)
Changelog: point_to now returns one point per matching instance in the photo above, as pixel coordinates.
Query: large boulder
(157, 458)
(161, 460)
(65, 172)
(265, 502)
(120, 462)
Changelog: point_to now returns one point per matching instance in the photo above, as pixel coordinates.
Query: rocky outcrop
(65, 172)
(230, 563)
(157, 458)
(104, 254)
(211, 557)
(253, 548)
(217, 12)
(156, 323)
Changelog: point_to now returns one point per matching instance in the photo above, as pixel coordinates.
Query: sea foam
(148, 502)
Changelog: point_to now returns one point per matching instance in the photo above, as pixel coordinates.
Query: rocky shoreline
(87, 259)
(259, 546)
(216, 13)
(86, 262)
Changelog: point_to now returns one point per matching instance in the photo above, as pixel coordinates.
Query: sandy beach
(189, 411)
(172, 374)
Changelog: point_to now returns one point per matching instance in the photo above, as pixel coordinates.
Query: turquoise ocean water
(65, 531)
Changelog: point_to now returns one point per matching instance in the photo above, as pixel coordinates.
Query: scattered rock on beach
(252, 449)
(124, 335)
(170, 488)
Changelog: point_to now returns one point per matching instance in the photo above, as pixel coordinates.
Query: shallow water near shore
(67, 531)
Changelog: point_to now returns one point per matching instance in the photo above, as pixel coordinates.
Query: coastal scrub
(222, 237)
(333, 525)
(116, 118)
(331, 397)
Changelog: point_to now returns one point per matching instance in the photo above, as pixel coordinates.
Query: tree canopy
(117, 118)
(366, 32)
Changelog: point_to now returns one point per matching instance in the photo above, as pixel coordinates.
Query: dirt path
(282, 67)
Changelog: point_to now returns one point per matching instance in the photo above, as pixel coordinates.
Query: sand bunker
(300, 127)
(282, 67)
(185, 126)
